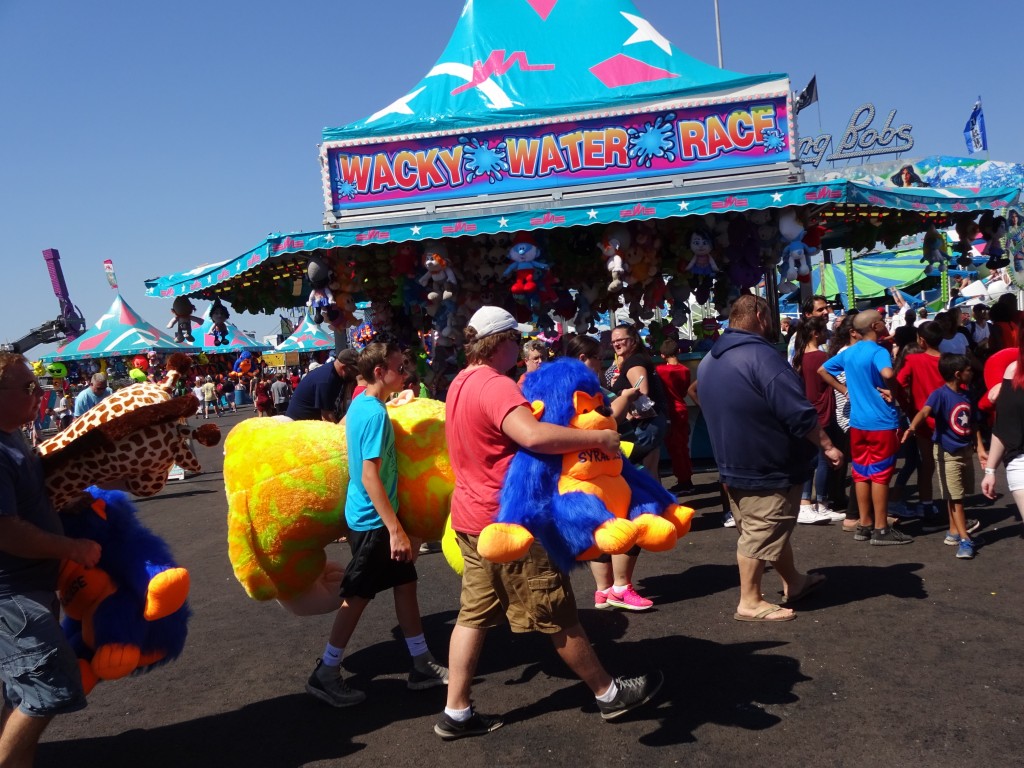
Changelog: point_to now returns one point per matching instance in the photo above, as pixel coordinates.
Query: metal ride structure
(68, 325)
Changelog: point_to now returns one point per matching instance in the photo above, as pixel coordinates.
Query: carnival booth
(221, 336)
(561, 180)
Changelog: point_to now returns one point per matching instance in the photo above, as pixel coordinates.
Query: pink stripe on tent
(625, 70)
(92, 343)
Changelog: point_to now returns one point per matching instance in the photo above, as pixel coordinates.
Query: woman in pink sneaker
(613, 574)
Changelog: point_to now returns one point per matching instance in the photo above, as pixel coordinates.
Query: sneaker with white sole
(601, 599)
(477, 725)
(887, 537)
(972, 525)
(729, 521)
(824, 509)
(633, 692)
(965, 550)
(427, 674)
(629, 600)
(952, 539)
(327, 685)
(808, 515)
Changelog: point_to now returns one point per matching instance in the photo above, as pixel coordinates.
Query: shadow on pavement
(854, 583)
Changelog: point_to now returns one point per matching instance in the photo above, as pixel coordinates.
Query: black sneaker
(431, 676)
(327, 685)
(633, 692)
(477, 725)
(972, 525)
(883, 537)
(862, 533)
(934, 523)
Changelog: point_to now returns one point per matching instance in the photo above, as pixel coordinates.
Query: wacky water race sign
(502, 161)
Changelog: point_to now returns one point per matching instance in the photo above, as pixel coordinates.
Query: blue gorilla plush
(580, 504)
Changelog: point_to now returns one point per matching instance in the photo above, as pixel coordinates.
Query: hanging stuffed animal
(613, 246)
(244, 363)
(439, 279)
(702, 266)
(796, 253)
(583, 503)
(219, 317)
(182, 310)
(320, 296)
(966, 230)
(524, 256)
(935, 254)
(127, 614)
(993, 229)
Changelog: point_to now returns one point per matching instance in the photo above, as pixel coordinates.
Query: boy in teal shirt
(382, 557)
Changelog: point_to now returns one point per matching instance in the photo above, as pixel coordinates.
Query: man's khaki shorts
(765, 520)
(956, 472)
(530, 592)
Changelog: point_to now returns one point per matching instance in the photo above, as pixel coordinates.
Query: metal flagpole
(718, 34)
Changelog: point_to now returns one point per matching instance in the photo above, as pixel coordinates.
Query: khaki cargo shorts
(764, 520)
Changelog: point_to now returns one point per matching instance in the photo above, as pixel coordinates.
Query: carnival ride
(68, 325)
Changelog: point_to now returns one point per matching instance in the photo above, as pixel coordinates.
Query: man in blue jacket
(765, 437)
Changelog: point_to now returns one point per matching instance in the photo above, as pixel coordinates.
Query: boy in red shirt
(919, 377)
(676, 380)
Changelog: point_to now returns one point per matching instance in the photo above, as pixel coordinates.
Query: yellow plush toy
(286, 483)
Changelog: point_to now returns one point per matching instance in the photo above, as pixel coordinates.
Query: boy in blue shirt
(953, 446)
(382, 557)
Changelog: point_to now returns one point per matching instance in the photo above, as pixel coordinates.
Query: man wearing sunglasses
(37, 666)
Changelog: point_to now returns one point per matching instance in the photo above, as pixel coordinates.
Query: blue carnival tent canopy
(119, 332)
(533, 60)
(236, 340)
(308, 337)
(286, 255)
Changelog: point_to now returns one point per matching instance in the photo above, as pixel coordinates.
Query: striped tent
(120, 332)
(308, 337)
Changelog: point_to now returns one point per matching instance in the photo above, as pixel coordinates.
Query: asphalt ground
(906, 656)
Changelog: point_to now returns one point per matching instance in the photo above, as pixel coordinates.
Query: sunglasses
(29, 389)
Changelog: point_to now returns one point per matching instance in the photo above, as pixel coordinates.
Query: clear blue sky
(168, 135)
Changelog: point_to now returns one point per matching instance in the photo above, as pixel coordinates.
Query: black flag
(807, 96)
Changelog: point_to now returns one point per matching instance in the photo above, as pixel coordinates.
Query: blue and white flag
(974, 131)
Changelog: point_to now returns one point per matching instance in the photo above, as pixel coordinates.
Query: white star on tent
(329, 238)
(502, 222)
(399, 107)
(646, 33)
(591, 214)
(416, 230)
(683, 205)
(776, 197)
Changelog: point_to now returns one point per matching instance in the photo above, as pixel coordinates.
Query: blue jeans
(818, 481)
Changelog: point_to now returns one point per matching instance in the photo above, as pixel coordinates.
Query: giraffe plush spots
(132, 437)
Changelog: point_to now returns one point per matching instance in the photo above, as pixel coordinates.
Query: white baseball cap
(488, 321)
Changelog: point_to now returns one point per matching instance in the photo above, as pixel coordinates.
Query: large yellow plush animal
(286, 483)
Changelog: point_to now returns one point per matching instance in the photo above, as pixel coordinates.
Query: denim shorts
(646, 435)
(39, 669)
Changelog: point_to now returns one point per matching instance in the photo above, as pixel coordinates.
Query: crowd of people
(814, 437)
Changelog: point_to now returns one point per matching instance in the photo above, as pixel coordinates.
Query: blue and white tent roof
(513, 61)
(236, 340)
(308, 337)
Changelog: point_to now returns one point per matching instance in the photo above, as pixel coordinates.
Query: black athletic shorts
(371, 569)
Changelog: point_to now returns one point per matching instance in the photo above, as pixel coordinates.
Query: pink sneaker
(601, 599)
(629, 600)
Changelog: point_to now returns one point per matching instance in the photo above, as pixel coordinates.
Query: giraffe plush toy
(129, 439)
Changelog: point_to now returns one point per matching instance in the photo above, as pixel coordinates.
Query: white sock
(620, 590)
(332, 656)
(417, 645)
(609, 696)
(459, 715)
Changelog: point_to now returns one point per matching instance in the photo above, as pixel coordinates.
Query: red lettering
(551, 160)
(616, 143)
(691, 140)
(383, 175)
(570, 142)
(740, 127)
(718, 137)
(452, 160)
(428, 172)
(522, 156)
(355, 169)
(593, 149)
(405, 163)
